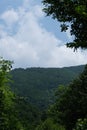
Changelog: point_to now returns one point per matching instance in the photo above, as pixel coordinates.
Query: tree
(73, 14)
(72, 104)
(5, 95)
(8, 120)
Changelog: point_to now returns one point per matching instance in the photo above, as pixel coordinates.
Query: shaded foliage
(48, 124)
(71, 105)
(73, 14)
(28, 115)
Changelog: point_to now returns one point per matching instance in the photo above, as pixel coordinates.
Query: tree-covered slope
(26, 114)
(38, 84)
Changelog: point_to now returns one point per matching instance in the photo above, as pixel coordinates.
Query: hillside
(37, 85)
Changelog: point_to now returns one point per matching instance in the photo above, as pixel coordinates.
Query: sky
(31, 39)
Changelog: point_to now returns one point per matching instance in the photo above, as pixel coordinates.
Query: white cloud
(9, 17)
(32, 44)
(70, 38)
(66, 57)
(37, 11)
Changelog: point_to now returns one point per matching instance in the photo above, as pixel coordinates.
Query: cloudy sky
(30, 39)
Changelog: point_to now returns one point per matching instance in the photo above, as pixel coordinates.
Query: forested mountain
(38, 85)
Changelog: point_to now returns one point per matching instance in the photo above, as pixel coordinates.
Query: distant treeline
(38, 85)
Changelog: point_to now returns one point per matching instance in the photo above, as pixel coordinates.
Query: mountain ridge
(39, 84)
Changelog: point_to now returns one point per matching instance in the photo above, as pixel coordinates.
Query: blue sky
(30, 39)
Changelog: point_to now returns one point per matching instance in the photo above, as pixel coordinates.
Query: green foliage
(8, 121)
(5, 94)
(81, 9)
(28, 115)
(60, 91)
(73, 14)
(49, 125)
(81, 124)
(72, 103)
(38, 85)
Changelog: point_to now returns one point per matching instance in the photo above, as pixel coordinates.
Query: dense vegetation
(15, 112)
(38, 85)
(8, 119)
(28, 115)
(70, 108)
